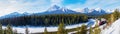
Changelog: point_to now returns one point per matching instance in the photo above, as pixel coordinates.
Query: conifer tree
(26, 30)
(61, 29)
(112, 18)
(90, 30)
(1, 31)
(83, 29)
(46, 22)
(116, 14)
(97, 30)
(45, 31)
(9, 29)
(5, 31)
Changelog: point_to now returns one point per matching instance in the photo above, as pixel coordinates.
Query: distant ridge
(55, 9)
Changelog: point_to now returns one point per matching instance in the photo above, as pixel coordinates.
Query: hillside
(113, 29)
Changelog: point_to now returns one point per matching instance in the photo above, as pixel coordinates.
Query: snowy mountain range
(93, 12)
(60, 10)
(14, 14)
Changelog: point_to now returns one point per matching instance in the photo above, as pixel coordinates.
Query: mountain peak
(86, 10)
(54, 7)
(15, 13)
(98, 9)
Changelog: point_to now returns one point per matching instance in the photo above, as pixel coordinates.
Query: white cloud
(56, 2)
(102, 3)
(92, 4)
(9, 6)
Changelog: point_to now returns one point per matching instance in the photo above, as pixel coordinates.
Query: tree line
(46, 20)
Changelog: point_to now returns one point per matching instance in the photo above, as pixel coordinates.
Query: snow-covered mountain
(14, 14)
(93, 12)
(96, 12)
(101, 10)
(59, 10)
(110, 11)
(54, 7)
(26, 13)
(85, 10)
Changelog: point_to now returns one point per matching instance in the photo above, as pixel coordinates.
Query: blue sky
(33, 6)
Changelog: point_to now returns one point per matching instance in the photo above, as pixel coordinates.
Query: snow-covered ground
(33, 29)
(113, 29)
(50, 29)
(91, 22)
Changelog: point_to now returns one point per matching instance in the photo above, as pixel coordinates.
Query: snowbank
(33, 29)
(50, 29)
(113, 29)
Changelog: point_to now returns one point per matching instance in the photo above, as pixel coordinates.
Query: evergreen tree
(97, 30)
(90, 30)
(61, 29)
(84, 18)
(112, 18)
(83, 29)
(9, 29)
(45, 31)
(5, 31)
(1, 31)
(26, 30)
(116, 14)
(46, 22)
